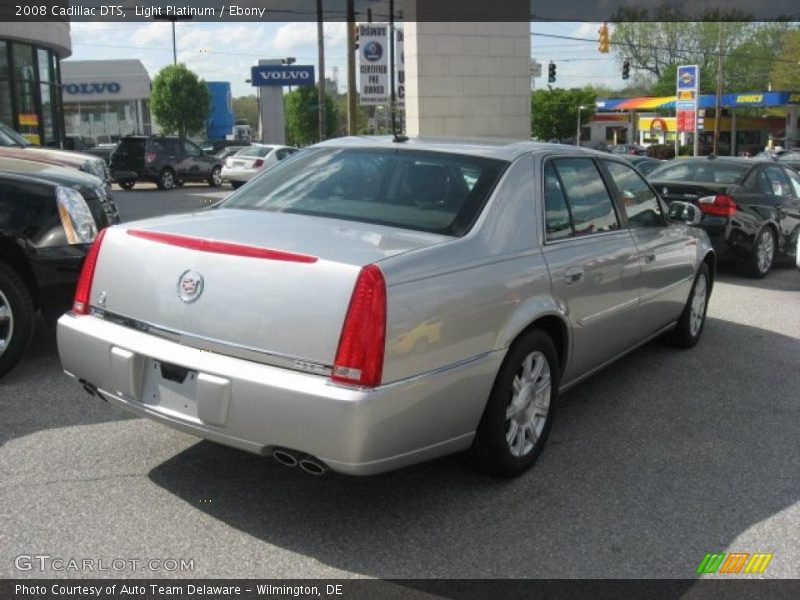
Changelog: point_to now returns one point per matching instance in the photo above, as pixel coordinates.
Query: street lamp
(578, 132)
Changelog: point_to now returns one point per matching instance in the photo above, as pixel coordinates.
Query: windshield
(9, 137)
(425, 191)
(705, 171)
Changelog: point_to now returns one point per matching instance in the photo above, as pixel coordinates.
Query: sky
(226, 51)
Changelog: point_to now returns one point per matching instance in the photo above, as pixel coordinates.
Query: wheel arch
(552, 321)
(13, 256)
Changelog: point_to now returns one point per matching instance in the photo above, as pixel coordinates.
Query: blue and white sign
(111, 87)
(687, 78)
(282, 75)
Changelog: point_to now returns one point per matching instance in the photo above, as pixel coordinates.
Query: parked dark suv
(49, 216)
(166, 161)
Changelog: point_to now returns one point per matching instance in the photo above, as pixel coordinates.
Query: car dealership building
(106, 99)
(30, 78)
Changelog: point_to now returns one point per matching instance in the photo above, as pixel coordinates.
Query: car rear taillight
(258, 164)
(149, 157)
(83, 291)
(359, 357)
(719, 205)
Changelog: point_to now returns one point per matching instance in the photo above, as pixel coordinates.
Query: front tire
(16, 318)
(127, 185)
(693, 318)
(167, 180)
(215, 177)
(520, 409)
(761, 259)
(237, 184)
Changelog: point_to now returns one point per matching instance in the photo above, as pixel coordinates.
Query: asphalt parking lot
(661, 458)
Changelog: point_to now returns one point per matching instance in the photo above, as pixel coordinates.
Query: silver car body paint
(262, 337)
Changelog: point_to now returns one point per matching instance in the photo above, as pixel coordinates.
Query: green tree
(180, 101)
(245, 108)
(785, 74)
(554, 112)
(301, 109)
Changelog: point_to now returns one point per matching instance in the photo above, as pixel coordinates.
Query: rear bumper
(257, 407)
(238, 174)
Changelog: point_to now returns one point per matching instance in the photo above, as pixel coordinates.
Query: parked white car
(249, 162)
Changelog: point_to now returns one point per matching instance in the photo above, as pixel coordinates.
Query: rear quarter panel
(464, 299)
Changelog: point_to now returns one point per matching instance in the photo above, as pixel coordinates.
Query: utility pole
(321, 60)
(392, 99)
(718, 99)
(578, 133)
(352, 115)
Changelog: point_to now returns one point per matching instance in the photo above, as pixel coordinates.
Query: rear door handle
(573, 274)
(649, 258)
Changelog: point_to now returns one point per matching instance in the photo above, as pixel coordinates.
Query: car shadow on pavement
(26, 408)
(652, 463)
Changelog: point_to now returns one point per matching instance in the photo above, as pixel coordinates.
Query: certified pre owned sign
(111, 87)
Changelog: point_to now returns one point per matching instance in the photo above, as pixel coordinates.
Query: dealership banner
(400, 69)
(373, 63)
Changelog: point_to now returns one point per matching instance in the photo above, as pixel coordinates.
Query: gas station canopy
(747, 99)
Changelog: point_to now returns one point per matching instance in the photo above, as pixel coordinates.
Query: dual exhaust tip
(309, 464)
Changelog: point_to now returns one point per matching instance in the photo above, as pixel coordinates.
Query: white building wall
(468, 79)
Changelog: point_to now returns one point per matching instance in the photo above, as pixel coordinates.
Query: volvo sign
(112, 87)
(282, 75)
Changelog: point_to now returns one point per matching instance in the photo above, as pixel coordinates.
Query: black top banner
(404, 10)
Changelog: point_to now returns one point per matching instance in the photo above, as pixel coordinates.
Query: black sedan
(751, 208)
(49, 216)
(790, 158)
(644, 164)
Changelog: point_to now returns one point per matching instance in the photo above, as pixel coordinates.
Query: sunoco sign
(282, 75)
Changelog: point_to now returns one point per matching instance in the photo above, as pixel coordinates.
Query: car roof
(501, 149)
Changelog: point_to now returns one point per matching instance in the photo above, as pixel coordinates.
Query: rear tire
(761, 259)
(16, 318)
(236, 184)
(166, 180)
(215, 177)
(693, 318)
(126, 185)
(520, 410)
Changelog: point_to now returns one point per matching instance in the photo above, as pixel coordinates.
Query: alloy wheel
(526, 414)
(6, 323)
(698, 307)
(765, 251)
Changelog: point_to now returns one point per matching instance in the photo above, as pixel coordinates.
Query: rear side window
(131, 146)
(772, 182)
(635, 196)
(258, 151)
(581, 187)
(704, 171)
(412, 189)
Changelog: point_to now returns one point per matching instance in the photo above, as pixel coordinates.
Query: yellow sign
(750, 98)
(686, 95)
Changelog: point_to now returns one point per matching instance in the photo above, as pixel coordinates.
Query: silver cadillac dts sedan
(372, 303)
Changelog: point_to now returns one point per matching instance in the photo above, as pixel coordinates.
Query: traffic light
(626, 69)
(551, 72)
(604, 39)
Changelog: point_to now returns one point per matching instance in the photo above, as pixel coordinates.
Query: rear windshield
(255, 151)
(706, 171)
(131, 146)
(425, 191)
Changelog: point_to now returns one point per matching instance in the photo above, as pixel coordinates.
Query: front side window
(636, 197)
(191, 149)
(410, 189)
(590, 205)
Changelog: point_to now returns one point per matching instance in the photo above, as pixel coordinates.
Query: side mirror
(684, 212)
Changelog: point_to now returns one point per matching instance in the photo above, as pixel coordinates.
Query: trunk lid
(286, 306)
(688, 191)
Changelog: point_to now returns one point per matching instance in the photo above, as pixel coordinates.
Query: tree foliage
(245, 108)
(301, 108)
(785, 73)
(554, 112)
(180, 101)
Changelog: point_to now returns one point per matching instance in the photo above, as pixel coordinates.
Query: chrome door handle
(573, 274)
